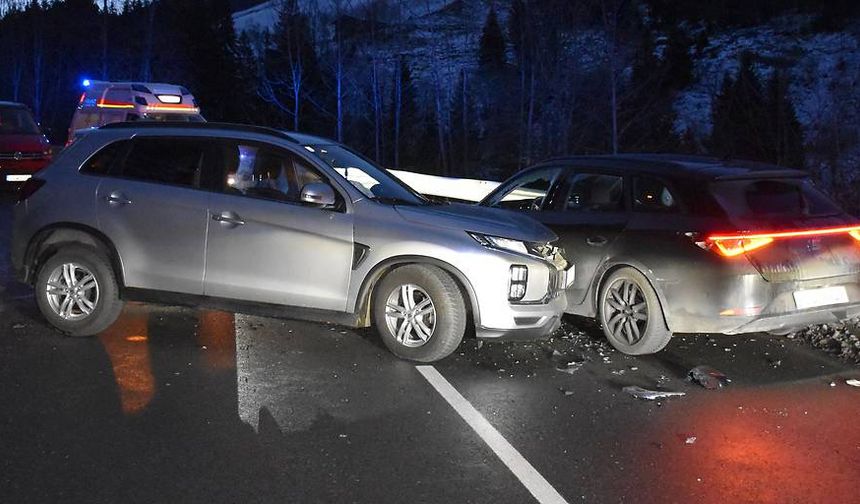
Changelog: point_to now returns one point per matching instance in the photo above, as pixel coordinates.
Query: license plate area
(18, 178)
(812, 298)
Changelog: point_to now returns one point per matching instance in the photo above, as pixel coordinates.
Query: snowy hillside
(821, 65)
(264, 15)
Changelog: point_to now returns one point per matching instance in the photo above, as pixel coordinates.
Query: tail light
(737, 244)
(29, 188)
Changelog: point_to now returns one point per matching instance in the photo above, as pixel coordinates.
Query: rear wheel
(419, 312)
(631, 315)
(77, 291)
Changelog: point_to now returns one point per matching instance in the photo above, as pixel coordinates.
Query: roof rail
(248, 128)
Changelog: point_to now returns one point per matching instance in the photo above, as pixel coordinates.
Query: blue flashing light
(86, 83)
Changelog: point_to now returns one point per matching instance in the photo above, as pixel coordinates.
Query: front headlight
(500, 243)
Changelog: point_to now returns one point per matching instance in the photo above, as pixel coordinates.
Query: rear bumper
(799, 319)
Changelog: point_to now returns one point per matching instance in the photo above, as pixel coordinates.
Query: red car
(24, 150)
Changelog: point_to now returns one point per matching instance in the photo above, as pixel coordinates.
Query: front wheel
(631, 315)
(77, 291)
(419, 312)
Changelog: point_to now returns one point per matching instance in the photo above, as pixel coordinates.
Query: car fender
(378, 270)
(55, 234)
(610, 265)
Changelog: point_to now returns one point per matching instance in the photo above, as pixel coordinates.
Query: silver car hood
(491, 221)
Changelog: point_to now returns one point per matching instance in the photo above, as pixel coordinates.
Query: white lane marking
(522, 469)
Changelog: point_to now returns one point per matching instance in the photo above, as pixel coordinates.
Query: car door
(151, 208)
(588, 213)
(264, 244)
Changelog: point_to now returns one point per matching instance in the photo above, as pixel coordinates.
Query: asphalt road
(177, 405)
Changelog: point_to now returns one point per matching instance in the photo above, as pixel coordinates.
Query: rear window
(790, 197)
(17, 121)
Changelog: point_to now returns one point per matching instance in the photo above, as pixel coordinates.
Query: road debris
(650, 395)
(567, 363)
(708, 377)
(841, 339)
(853, 383)
(690, 440)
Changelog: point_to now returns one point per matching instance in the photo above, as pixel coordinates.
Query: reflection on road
(127, 346)
(755, 445)
(217, 333)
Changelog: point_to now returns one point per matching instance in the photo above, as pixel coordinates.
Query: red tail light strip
(737, 244)
(112, 104)
(852, 230)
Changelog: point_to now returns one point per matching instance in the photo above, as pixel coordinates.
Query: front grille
(20, 156)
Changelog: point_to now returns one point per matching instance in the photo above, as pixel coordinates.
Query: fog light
(519, 281)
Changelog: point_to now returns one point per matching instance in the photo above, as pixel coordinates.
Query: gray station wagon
(257, 220)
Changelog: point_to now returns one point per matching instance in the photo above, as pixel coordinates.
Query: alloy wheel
(73, 291)
(410, 315)
(625, 311)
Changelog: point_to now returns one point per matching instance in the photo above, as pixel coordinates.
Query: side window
(595, 192)
(101, 162)
(172, 161)
(652, 195)
(528, 192)
(266, 173)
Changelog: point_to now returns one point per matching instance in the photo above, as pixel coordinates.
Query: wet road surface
(181, 405)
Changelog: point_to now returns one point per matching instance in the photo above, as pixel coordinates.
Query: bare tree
(612, 12)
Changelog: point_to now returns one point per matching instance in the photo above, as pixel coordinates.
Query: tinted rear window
(789, 197)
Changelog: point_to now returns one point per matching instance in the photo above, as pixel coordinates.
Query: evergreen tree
(292, 73)
(404, 118)
(519, 31)
(677, 63)
(785, 132)
(464, 137)
(756, 123)
(491, 52)
(740, 116)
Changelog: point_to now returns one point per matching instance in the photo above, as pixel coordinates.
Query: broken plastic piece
(708, 377)
(650, 395)
(569, 367)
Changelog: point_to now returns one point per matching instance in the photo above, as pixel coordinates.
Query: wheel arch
(600, 281)
(368, 285)
(45, 243)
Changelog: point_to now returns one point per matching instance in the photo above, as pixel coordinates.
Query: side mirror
(318, 194)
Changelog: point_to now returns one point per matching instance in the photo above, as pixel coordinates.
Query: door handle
(117, 198)
(229, 219)
(596, 241)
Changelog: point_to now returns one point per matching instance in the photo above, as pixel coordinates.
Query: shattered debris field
(181, 405)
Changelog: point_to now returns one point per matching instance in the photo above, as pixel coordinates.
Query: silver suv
(256, 220)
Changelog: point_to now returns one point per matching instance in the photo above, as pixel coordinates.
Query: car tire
(631, 315)
(430, 324)
(93, 288)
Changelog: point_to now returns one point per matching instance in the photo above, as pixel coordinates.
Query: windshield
(787, 197)
(17, 121)
(374, 182)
